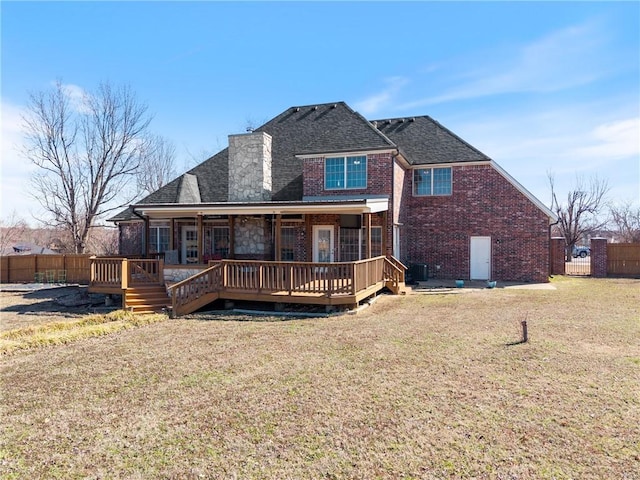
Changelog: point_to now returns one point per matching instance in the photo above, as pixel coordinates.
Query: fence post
(599, 257)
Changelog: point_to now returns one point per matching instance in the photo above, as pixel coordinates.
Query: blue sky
(537, 86)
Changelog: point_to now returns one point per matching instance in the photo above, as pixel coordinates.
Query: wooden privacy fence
(623, 259)
(72, 268)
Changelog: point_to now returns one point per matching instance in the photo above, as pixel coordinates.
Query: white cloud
(15, 171)
(561, 60)
(77, 97)
(374, 103)
(613, 140)
(597, 138)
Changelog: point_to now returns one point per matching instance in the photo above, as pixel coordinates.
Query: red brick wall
(383, 178)
(130, 238)
(300, 247)
(437, 229)
(379, 177)
(599, 257)
(377, 220)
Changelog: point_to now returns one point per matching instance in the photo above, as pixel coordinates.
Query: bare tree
(87, 149)
(103, 240)
(578, 217)
(626, 219)
(157, 164)
(12, 230)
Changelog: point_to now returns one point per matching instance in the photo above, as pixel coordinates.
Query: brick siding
(437, 229)
(130, 238)
(599, 257)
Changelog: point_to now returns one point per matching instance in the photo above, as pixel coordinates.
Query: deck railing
(108, 272)
(302, 277)
(261, 277)
(145, 272)
(191, 289)
(393, 271)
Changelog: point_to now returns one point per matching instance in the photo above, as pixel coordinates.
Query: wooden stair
(396, 288)
(146, 299)
(200, 302)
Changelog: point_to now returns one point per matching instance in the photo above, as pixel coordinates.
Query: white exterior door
(480, 260)
(323, 243)
(189, 244)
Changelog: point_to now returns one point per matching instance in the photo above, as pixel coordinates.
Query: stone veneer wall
(252, 238)
(250, 167)
(175, 275)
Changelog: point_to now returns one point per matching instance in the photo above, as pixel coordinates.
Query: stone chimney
(250, 167)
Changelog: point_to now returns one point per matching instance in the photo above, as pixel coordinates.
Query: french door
(323, 243)
(189, 244)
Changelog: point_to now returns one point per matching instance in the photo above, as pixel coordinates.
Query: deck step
(147, 299)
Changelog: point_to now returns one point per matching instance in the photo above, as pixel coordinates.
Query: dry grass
(423, 386)
(66, 331)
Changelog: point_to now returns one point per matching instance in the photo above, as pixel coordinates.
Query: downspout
(549, 240)
(394, 157)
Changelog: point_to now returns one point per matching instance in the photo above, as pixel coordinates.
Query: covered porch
(317, 283)
(316, 229)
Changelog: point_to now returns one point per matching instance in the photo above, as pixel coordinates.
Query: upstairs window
(345, 172)
(432, 181)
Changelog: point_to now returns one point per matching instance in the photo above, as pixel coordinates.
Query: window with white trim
(158, 238)
(432, 181)
(345, 172)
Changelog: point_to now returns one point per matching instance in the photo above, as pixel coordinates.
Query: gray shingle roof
(324, 128)
(422, 140)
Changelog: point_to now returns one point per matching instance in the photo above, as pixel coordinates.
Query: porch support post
(367, 226)
(278, 239)
(232, 236)
(172, 229)
(308, 237)
(200, 235)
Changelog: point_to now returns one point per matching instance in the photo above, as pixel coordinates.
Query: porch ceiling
(337, 206)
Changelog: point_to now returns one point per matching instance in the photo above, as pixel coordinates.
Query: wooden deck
(327, 284)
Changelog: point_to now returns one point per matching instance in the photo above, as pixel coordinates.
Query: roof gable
(422, 140)
(323, 128)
